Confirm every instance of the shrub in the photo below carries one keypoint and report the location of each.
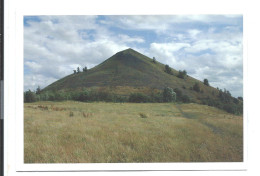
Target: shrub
(143, 115)
(138, 98)
(185, 99)
(196, 87)
(206, 82)
(29, 96)
(182, 74)
(168, 70)
(240, 98)
(154, 60)
(85, 69)
(178, 94)
(169, 95)
(156, 97)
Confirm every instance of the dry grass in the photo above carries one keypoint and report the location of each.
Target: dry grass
(114, 132)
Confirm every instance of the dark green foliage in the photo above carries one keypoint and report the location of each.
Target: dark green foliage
(196, 87)
(182, 74)
(181, 97)
(29, 96)
(233, 109)
(240, 98)
(235, 100)
(206, 82)
(154, 60)
(74, 71)
(85, 69)
(178, 94)
(156, 97)
(225, 96)
(78, 70)
(138, 98)
(168, 70)
(185, 99)
(226, 102)
(169, 95)
(38, 90)
(183, 87)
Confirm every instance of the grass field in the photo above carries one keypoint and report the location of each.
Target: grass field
(76, 132)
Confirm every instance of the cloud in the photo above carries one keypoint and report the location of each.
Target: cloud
(207, 46)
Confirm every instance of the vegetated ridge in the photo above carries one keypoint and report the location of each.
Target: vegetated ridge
(129, 71)
(132, 69)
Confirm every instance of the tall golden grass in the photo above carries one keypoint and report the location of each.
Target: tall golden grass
(76, 132)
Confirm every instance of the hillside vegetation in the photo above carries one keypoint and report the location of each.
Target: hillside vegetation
(129, 68)
(77, 132)
(129, 74)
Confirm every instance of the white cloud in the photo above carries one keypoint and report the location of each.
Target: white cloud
(193, 33)
(55, 45)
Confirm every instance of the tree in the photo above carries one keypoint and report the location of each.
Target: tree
(240, 98)
(196, 87)
(38, 90)
(85, 69)
(178, 94)
(74, 71)
(182, 74)
(154, 60)
(29, 96)
(185, 99)
(169, 95)
(78, 70)
(168, 69)
(206, 82)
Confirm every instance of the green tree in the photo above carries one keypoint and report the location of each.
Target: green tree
(206, 82)
(182, 74)
(29, 96)
(78, 70)
(85, 69)
(169, 95)
(38, 90)
(74, 71)
(154, 60)
(168, 69)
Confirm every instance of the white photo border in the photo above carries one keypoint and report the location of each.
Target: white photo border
(15, 79)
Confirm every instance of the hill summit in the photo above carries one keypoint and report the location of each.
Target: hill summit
(129, 68)
(129, 76)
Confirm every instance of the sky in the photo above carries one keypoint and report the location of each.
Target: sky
(206, 46)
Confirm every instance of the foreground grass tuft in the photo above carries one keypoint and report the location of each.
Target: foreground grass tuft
(143, 115)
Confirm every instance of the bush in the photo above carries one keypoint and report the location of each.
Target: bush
(206, 82)
(168, 70)
(154, 60)
(138, 98)
(143, 115)
(169, 95)
(156, 97)
(178, 94)
(182, 74)
(185, 99)
(29, 96)
(196, 87)
(240, 98)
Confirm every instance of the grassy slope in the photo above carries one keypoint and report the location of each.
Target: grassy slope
(113, 132)
(132, 69)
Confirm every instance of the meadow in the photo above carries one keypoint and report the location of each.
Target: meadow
(99, 132)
